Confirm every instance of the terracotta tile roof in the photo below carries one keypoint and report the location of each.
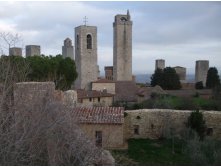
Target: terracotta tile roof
(84, 94)
(99, 115)
(103, 81)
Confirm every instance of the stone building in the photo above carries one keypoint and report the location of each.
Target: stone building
(86, 56)
(181, 71)
(103, 125)
(201, 69)
(90, 98)
(68, 49)
(33, 50)
(122, 58)
(104, 85)
(108, 72)
(15, 51)
(160, 63)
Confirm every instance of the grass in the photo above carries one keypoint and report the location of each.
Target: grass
(178, 103)
(145, 152)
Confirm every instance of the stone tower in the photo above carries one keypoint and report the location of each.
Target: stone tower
(201, 69)
(122, 58)
(160, 63)
(33, 50)
(68, 49)
(86, 56)
(15, 51)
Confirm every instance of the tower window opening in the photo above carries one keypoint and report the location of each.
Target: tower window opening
(89, 41)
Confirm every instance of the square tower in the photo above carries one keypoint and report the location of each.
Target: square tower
(160, 63)
(201, 69)
(68, 49)
(122, 59)
(15, 51)
(33, 50)
(86, 56)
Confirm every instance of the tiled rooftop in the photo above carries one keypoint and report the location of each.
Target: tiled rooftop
(99, 115)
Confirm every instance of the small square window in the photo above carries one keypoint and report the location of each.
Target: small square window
(209, 131)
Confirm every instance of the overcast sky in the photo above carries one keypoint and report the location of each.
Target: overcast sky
(179, 32)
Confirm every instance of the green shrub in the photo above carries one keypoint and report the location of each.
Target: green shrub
(199, 85)
(197, 123)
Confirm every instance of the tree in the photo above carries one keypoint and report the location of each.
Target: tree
(156, 78)
(35, 129)
(199, 85)
(8, 40)
(167, 79)
(170, 79)
(57, 69)
(197, 123)
(212, 79)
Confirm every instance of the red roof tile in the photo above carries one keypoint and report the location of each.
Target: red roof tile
(99, 115)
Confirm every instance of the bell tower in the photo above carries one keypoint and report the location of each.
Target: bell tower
(122, 49)
(86, 56)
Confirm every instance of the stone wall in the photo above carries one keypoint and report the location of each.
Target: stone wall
(155, 123)
(110, 87)
(104, 102)
(26, 93)
(112, 134)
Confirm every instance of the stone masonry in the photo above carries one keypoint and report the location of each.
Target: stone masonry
(86, 56)
(155, 123)
(201, 69)
(160, 63)
(15, 51)
(33, 50)
(68, 49)
(122, 59)
(181, 71)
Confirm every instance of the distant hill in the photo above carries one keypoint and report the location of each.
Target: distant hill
(145, 78)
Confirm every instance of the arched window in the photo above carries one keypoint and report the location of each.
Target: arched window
(77, 41)
(89, 41)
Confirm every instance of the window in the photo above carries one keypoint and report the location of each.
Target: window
(98, 138)
(89, 41)
(209, 131)
(99, 99)
(90, 99)
(136, 129)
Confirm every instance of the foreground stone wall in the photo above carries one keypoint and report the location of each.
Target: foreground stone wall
(155, 123)
(112, 134)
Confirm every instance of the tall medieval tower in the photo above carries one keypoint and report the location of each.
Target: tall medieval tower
(122, 58)
(86, 56)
